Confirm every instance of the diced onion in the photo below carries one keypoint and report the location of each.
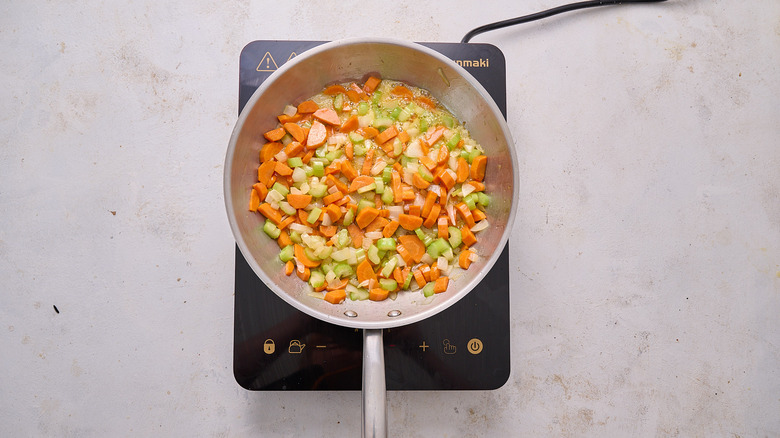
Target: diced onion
(451, 214)
(473, 257)
(326, 220)
(281, 156)
(395, 211)
(435, 189)
(481, 225)
(414, 150)
(401, 263)
(374, 235)
(299, 175)
(378, 167)
(289, 110)
(273, 197)
(300, 228)
(466, 189)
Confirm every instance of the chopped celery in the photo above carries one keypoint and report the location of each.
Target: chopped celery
(356, 293)
(317, 279)
(295, 237)
(453, 141)
(342, 238)
(387, 174)
(408, 281)
(367, 188)
(438, 247)
(473, 154)
(447, 120)
(425, 173)
(318, 190)
(360, 255)
(363, 203)
(338, 102)
(427, 290)
(363, 108)
(382, 122)
(406, 113)
(349, 216)
(287, 139)
(280, 188)
(295, 162)
(395, 113)
(318, 169)
(287, 253)
(373, 254)
(471, 201)
(321, 151)
(287, 208)
(423, 124)
(483, 199)
(314, 214)
(354, 137)
(271, 230)
(380, 185)
(324, 252)
(333, 155)
(388, 284)
(387, 269)
(343, 270)
(358, 150)
(455, 238)
(426, 239)
(386, 244)
(387, 196)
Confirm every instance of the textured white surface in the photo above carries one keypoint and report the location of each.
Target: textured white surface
(645, 260)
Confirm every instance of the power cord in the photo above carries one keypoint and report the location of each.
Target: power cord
(547, 13)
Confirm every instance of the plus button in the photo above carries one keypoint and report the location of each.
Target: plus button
(423, 346)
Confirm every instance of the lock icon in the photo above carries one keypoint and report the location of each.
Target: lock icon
(269, 347)
(295, 347)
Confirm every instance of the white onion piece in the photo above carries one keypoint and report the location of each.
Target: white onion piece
(395, 211)
(481, 225)
(300, 228)
(289, 110)
(374, 235)
(466, 189)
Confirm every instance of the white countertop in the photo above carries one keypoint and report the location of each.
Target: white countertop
(645, 261)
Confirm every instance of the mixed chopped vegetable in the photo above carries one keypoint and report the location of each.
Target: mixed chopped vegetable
(370, 190)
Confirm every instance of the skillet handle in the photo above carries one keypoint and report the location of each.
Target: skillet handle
(374, 389)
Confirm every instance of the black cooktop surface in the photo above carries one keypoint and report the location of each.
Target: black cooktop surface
(277, 347)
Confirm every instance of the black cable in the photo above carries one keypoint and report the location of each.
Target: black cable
(547, 13)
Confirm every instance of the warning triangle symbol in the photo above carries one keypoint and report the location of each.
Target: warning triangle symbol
(267, 63)
(292, 55)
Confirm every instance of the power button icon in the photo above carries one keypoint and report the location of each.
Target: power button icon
(474, 346)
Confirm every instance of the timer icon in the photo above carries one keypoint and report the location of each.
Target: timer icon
(474, 346)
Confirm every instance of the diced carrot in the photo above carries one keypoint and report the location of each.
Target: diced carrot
(478, 167)
(305, 275)
(289, 267)
(307, 107)
(350, 125)
(409, 222)
(386, 135)
(398, 276)
(464, 260)
(395, 183)
(303, 215)
(465, 213)
(415, 210)
(463, 170)
(254, 200)
(433, 135)
(442, 229)
(419, 278)
(428, 162)
(405, 254)
(390, 228)
(369, 132)
(337, 284)
(426, 272)
(365, 216)
(443, 155)
(295, 130)
(262, 190)
(404, 136)
(349, 150)
(469, 239)
(360, 182)
(367, 162)
(317, 135)
(298, 201)
(265, 171)
(286, 222)
(430, 220)
(441, 285)
(478, 214)
(282, 169)
(430, 200)
(321, 287)
(371, 83)
(426, 101)
(419, 182)
(478, 186)
(353, 95)
(447, 178)
(327, 115)
(336, 296)
(348, 171)
(365, 271)
(269, 212)
(284, 118)
(284, 239)
(401, 91)
(377, 224)
(378, 294)
(414, 245)
(300, 255)
(333, 211)
(333, 90)
(329, 230)
(356, 234)
(333, 197)
(293, 149)
(269, 150)
(307, 156)
(434, 272)
(275, 134)
(407, 194)
(333, 181)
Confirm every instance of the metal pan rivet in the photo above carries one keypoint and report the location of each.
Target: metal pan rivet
(350, 313)
(394, 313)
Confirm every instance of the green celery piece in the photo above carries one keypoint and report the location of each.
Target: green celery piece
(387, 196)
(314, 214)
(483, 199)
(455, 238)
(349, 216)
(388, 284)
(354, 137)
(317, 279)
(280, 188)
(287, 253)
(386, 244)
(427, 290)
(343, 270)
(338, 102)
(318, 169)
(363, 108)
(318, 190)
(271, 230)
(438, 247)
(453, 141)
